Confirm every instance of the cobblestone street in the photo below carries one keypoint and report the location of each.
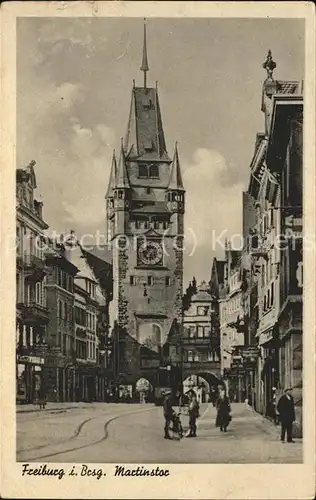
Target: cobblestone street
(121, 433)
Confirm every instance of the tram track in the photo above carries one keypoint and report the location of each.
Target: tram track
(73, 436)
(77, 434)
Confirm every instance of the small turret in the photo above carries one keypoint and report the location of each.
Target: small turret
(122, 181)
(122, 193)
(112, 180)
(175, 192)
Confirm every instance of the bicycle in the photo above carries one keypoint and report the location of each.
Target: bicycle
(177, 425)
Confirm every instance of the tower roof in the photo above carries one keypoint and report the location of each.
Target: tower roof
(112, 179)
(121, 176)
(175, 176)
(144, 137)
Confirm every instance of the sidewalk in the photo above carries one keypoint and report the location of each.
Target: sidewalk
(245, 422)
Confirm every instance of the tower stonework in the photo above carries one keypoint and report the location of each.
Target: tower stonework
(145, 211)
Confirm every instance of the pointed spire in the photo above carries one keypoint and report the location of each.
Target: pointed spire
(144, 67)
(122, 177)
(112, 179)
(175, 176)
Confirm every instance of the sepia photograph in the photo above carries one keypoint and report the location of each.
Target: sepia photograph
(160, 208)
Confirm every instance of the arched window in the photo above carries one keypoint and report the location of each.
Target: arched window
(153, 171)
(142, 171)
(157, 334)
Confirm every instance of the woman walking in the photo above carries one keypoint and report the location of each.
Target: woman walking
(223, 411)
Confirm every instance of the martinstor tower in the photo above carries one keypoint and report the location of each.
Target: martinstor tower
(145, 211)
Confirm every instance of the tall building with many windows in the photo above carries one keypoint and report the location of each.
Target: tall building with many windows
(201, 348)
(145, 209)
(274, 247)
(31, 306)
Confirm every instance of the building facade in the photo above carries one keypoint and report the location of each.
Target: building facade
(272, 256)
(231, 319)
(201, 345)
(86, 308)
(145, 209)
(32, 315)
(60, 385)
(285, 160)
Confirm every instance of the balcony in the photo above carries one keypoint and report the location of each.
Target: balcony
(32, 351)
(34, 312)
(34, 267)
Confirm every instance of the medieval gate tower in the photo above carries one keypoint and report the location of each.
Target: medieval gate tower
(145, 211)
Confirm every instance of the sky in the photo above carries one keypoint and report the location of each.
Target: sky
(74, 83)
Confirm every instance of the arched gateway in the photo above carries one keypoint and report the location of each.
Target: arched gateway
(205, 384)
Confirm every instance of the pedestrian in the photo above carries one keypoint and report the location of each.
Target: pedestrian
(194, 413)
(168, 413)
(42, 397)
(213, 397)
(286, 411)
(223, 416)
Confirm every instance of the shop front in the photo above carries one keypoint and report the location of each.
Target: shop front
(86, 383)
(250, 356)
(30, 378)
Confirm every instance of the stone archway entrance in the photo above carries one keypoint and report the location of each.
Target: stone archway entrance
(205, 384)
(149, 335)
(144, 390)
(199, 385)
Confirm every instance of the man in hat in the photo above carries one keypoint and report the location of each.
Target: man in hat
(167, 412)
(286, 411)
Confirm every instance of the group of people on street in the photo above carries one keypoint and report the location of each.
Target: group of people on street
(194, 413)
(285, 408)
(222, 404)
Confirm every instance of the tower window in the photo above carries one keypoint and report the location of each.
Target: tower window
(143, 171)
(148, 171)
(150, 280)
(148, 145)
(153, 171)
(132, 280)
(167, 281)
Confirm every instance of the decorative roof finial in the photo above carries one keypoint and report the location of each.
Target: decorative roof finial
(144, 67)
(269, 65)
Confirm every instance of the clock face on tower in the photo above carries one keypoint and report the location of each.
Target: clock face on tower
(150, 253)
